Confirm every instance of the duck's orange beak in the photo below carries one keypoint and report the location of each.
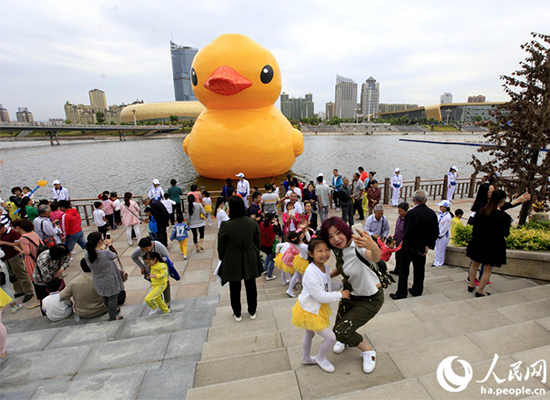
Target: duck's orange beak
(226, 81)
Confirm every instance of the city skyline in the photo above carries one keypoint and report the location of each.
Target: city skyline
(126, 54)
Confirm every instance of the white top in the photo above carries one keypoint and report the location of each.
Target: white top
(302, 248)
(55, 308)
(116, 204)
(362, 279)
(452, 177)
(270, 201)
(317, 289)
(397, 180)
(61, 194)
(444, 220)
(168, 204)
(282, 247)
(207, 201)
(221, 216)
(243, 187)
(98, 217)
(156, 193)
(322, 191)
(297, 191)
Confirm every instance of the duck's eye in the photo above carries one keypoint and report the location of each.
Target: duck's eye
(267, 74)
(194, 77)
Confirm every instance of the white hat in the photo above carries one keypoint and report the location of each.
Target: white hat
(156, 182)
(240, 175)
(397, 170)
(455, 168)
(320, 174)
(445, 203)
(57, 182)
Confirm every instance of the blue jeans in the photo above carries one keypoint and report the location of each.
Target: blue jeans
(75, 238)
(269, 264)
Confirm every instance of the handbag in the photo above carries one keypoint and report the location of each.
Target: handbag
(380, 269)
(171, 269)
(48, 241)
(123, 273)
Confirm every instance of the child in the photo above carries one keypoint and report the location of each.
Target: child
(116, 204)
(388, 248)
(291, 219)
(159, 280)
(109, 210)
(99, 219)
(455, 223)
(169, 205)
(152, 228)
(56, 213)
(207, 203)
(286, 270)
(311, 312)
(27, 192)
(299, 259)
(444, 219)
(180, 234)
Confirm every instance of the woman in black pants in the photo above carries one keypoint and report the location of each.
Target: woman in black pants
(196, 219)
(239, 252)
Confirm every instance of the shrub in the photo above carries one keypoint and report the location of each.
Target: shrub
(532, 236)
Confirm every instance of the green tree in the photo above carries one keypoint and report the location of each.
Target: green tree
(478, 118)
(173, 118)
(100, 117)
(112, 123)
(67, 121)
(522, 127)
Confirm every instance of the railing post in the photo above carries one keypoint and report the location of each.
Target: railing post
(86, 215)
(387, 191)
(445, 188)
(472, 188)
(416, 183)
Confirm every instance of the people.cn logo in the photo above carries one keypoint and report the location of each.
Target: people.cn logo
(449, 380)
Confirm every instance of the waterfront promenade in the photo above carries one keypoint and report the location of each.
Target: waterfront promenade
(200, 350)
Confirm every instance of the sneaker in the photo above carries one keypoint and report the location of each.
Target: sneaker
(325, 365)
(185, 257)
(154, 311)
(290, 294)
(270, 278)
(309, 361)
(253, 316)
(167, 312)
(16, 308)
(339, 347)
(369, 361)
(27, 297)
(238, 319)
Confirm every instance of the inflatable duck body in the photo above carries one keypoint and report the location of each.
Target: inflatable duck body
(240, 130)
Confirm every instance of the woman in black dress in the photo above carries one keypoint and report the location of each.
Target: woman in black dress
(488, 244)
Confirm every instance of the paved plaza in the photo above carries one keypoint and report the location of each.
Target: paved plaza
(200, 352)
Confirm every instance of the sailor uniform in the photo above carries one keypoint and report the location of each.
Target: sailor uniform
(451, 185)
(444, 220)
(397, 183)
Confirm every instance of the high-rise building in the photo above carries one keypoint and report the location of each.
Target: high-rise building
(297, 108)
(182, 58)
(345, 97)
(330, 110)
(384, 108)
(476, 99)
(24, 115)
(370, 97)
(4, 115)
(446, 98)
(98, 100)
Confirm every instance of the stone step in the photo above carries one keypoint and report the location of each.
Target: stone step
(279, 386)
(526, 311)
(240, 367)
(241, 346)
(238, 330)
(408, 389)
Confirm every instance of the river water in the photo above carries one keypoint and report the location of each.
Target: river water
(87, 168)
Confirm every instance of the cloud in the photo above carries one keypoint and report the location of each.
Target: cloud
(54, 51)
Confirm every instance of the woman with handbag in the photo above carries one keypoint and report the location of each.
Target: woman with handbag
(130, 217)
(269, 230)
(196, 216)
(354, 254)
(106, 276)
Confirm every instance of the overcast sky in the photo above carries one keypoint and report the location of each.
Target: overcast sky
(54, 51)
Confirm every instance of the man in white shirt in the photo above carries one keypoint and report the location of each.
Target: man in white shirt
(43, 225)
(270, 199)
(323, 197)
(156, 191)
(293, 198)
(52, 306)
(243, 188)
(377, 224)
(59, 192)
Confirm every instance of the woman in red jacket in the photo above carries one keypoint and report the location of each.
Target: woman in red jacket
(269, 229)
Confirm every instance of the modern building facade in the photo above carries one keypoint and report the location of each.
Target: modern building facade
(182, 58)
(86, 114)
(446, 98)
(24, 115)
(330, 110)
(4, 115)
(345, 97)
(370, 97)
(451, 112)
(297, 108)
(385, 107)
(98, 100)
(476, 99)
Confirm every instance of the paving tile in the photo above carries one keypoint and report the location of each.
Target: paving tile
(86, 334)
(473, 322)
(136, 296)
(196, 276)
(410, 389)
(414, 334)
(192, 290)
(122, 353)
(535, 293)
(239, 330)
(199, 264)
(186, 343)
(280, 386)
(263, 314)
(544, 322)
(241, 367)
(411, 303)
(434, 313)
(27, 342)
(495, 301)
(447, 287)
(26, 391)
(22, 368)
(154, 325)
(137, 283)
(241, 346)
(526, 311)
(516, 284)
(461, 294)
(395, 320)
(171, 381)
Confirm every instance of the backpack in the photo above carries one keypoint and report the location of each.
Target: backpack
(290, 253)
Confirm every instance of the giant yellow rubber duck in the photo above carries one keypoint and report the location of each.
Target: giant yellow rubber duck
(240, 130)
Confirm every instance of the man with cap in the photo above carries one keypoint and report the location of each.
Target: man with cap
(444, 220)
(161, 216)
(451, 182)
(397, 183)
(243, 188)
(59, 192)
(156, 191)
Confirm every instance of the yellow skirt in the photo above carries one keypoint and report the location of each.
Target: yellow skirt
(306, 320)
(282, 266)
(208, 209)
(300, 264)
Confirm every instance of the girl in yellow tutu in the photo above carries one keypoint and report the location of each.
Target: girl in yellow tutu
(311, 312)
(285, 257)
(297, 255)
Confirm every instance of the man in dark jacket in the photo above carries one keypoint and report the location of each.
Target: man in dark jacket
(161, 216)
(421, 231)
